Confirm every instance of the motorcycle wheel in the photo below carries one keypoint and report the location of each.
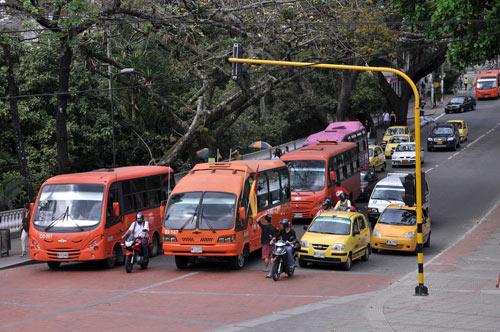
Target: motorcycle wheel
(144, 264)
(276, 273)
(291, 272)
(128, 263)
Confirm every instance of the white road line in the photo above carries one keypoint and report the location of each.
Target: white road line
(430, 169)
(477, 139)
(438, 117)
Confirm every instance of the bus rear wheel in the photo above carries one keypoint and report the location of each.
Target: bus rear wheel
(54, 265)
(110, 262)
(181, 262)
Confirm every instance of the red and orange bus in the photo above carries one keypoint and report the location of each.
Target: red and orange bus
(486, 84)
(313, 171)
(82, 216)
(208, 213)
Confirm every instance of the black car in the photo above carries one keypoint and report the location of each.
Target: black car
(460, 104)
(443, 136)
(368, 181)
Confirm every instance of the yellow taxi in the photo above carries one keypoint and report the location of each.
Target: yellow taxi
(394, 141)
(377, 157)
(335, 237)
(463, 129)
(394, 130)
(396, 229)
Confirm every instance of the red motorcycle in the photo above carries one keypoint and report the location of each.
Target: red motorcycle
(133, 254)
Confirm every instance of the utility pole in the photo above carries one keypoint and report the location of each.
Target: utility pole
(442, 84)
(432, 90)
(110, 93)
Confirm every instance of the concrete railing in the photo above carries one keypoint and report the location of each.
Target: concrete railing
(11, 219)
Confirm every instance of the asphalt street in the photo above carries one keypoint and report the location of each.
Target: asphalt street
(464, 186)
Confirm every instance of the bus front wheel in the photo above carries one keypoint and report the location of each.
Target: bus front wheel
(54, 265)
(181, 262)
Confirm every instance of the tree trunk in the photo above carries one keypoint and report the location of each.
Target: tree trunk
(348, 81)
(65, 58)
(12, 92)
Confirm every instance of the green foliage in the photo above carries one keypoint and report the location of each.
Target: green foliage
(367, 97)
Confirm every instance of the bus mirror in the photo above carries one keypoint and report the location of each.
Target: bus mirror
(116, 209)
(332, 175)
(242, 213)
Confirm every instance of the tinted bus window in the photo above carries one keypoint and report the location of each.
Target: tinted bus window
(274, 186)
(285, 185)
(262, 192)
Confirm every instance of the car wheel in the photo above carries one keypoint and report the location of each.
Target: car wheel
(366, 256)
(375, 251)
(447, 112)
(429, 148)
(302, 263)
(454, 148)
(427, 243)
(348, 264)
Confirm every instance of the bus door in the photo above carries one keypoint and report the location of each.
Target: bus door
(331, 179)
(115, 226)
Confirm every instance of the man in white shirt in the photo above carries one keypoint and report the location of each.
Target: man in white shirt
(387, 119)
(139, 229)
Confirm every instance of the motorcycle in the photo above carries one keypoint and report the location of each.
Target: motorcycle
(280, 260)
(133, 254)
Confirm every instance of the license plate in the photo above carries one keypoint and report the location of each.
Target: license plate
(392, 243)
(62, 255)
(319, 255)
(298, 215)
(439, 143)
(196, 250)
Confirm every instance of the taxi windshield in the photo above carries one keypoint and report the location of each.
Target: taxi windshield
(398, 217)
(331, 225)
(405, 148)
(457, 124)
(394, 131)
(399, 139)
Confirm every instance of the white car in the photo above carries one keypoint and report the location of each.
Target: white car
(405, 155)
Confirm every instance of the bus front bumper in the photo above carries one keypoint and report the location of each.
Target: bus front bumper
(217, 250)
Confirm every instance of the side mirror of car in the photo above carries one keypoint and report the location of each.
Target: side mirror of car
(242, 213)
(116, 209)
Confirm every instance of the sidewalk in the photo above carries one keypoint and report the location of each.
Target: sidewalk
(461, 281)
(14, 259)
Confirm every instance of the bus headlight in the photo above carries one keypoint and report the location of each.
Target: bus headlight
(169, 238)
(227, 239)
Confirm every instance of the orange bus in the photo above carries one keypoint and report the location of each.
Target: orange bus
(208, 213)
(82, 216)
(314, 170)
(486, 84)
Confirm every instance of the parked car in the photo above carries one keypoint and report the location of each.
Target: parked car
(460, 104)
(443, 136)
(377, 157)
(406, 155)
(368, 181)
(463, 129)
(394, 130)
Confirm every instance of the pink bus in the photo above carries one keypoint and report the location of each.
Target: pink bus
(345, 131)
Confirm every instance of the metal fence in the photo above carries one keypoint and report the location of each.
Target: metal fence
(11, 219)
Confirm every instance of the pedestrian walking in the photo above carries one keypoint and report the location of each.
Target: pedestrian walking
(393, 118)
(367, 128)
(25, 227)
(387, 119)
(267, 233)
(466, 81)
(276, 153)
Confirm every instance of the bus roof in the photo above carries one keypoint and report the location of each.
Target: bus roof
(319, 151)
(335, 131)
(224, 176)
(106, 175)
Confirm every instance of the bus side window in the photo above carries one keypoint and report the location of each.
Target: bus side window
(331, 167)
(274, 186)
(167, 180)
(243, 224)
(285, 185)
(113, 196)
(128, 197)
(262, 192)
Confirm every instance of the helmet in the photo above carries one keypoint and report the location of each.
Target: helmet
(327, 203)
(285, 222)
(139, 217)
(268, 217)
(342, 197)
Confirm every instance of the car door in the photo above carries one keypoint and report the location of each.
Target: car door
(356, 239)
(466, 129)
(364, 231)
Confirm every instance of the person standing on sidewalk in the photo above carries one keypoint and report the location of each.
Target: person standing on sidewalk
(393, 118)
(267, 233)
(387, 119)
(25, 228)
(466, 81)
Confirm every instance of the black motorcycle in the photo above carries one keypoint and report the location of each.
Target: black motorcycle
(280, 261)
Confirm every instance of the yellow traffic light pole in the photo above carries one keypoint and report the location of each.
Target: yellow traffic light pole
(420, 289)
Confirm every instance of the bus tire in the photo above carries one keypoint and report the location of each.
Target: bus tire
(155, 246)
(237, 262)
(110, 262)
(181, 262)
(54, 265)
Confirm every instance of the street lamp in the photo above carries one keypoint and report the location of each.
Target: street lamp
(110, 93)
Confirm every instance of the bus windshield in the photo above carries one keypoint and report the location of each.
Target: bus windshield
(209, 210)
(69, 207)
(307, 175)
(486, 83)
(331, 225)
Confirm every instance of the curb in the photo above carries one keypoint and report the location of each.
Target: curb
(14, 265)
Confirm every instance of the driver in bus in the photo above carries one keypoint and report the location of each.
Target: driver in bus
(139, 229)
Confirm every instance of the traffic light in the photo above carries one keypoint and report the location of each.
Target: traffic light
(237, 68)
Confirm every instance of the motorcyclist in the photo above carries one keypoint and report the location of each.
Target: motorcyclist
(343, 204)
(139, 229)
(338, 189)
(287, 234)
(326, 205)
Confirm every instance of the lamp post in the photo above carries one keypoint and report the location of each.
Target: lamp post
(110, 94)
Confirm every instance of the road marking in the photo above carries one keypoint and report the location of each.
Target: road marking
(439, 117)
(475, 141)
(430, 169)
(453, 155)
